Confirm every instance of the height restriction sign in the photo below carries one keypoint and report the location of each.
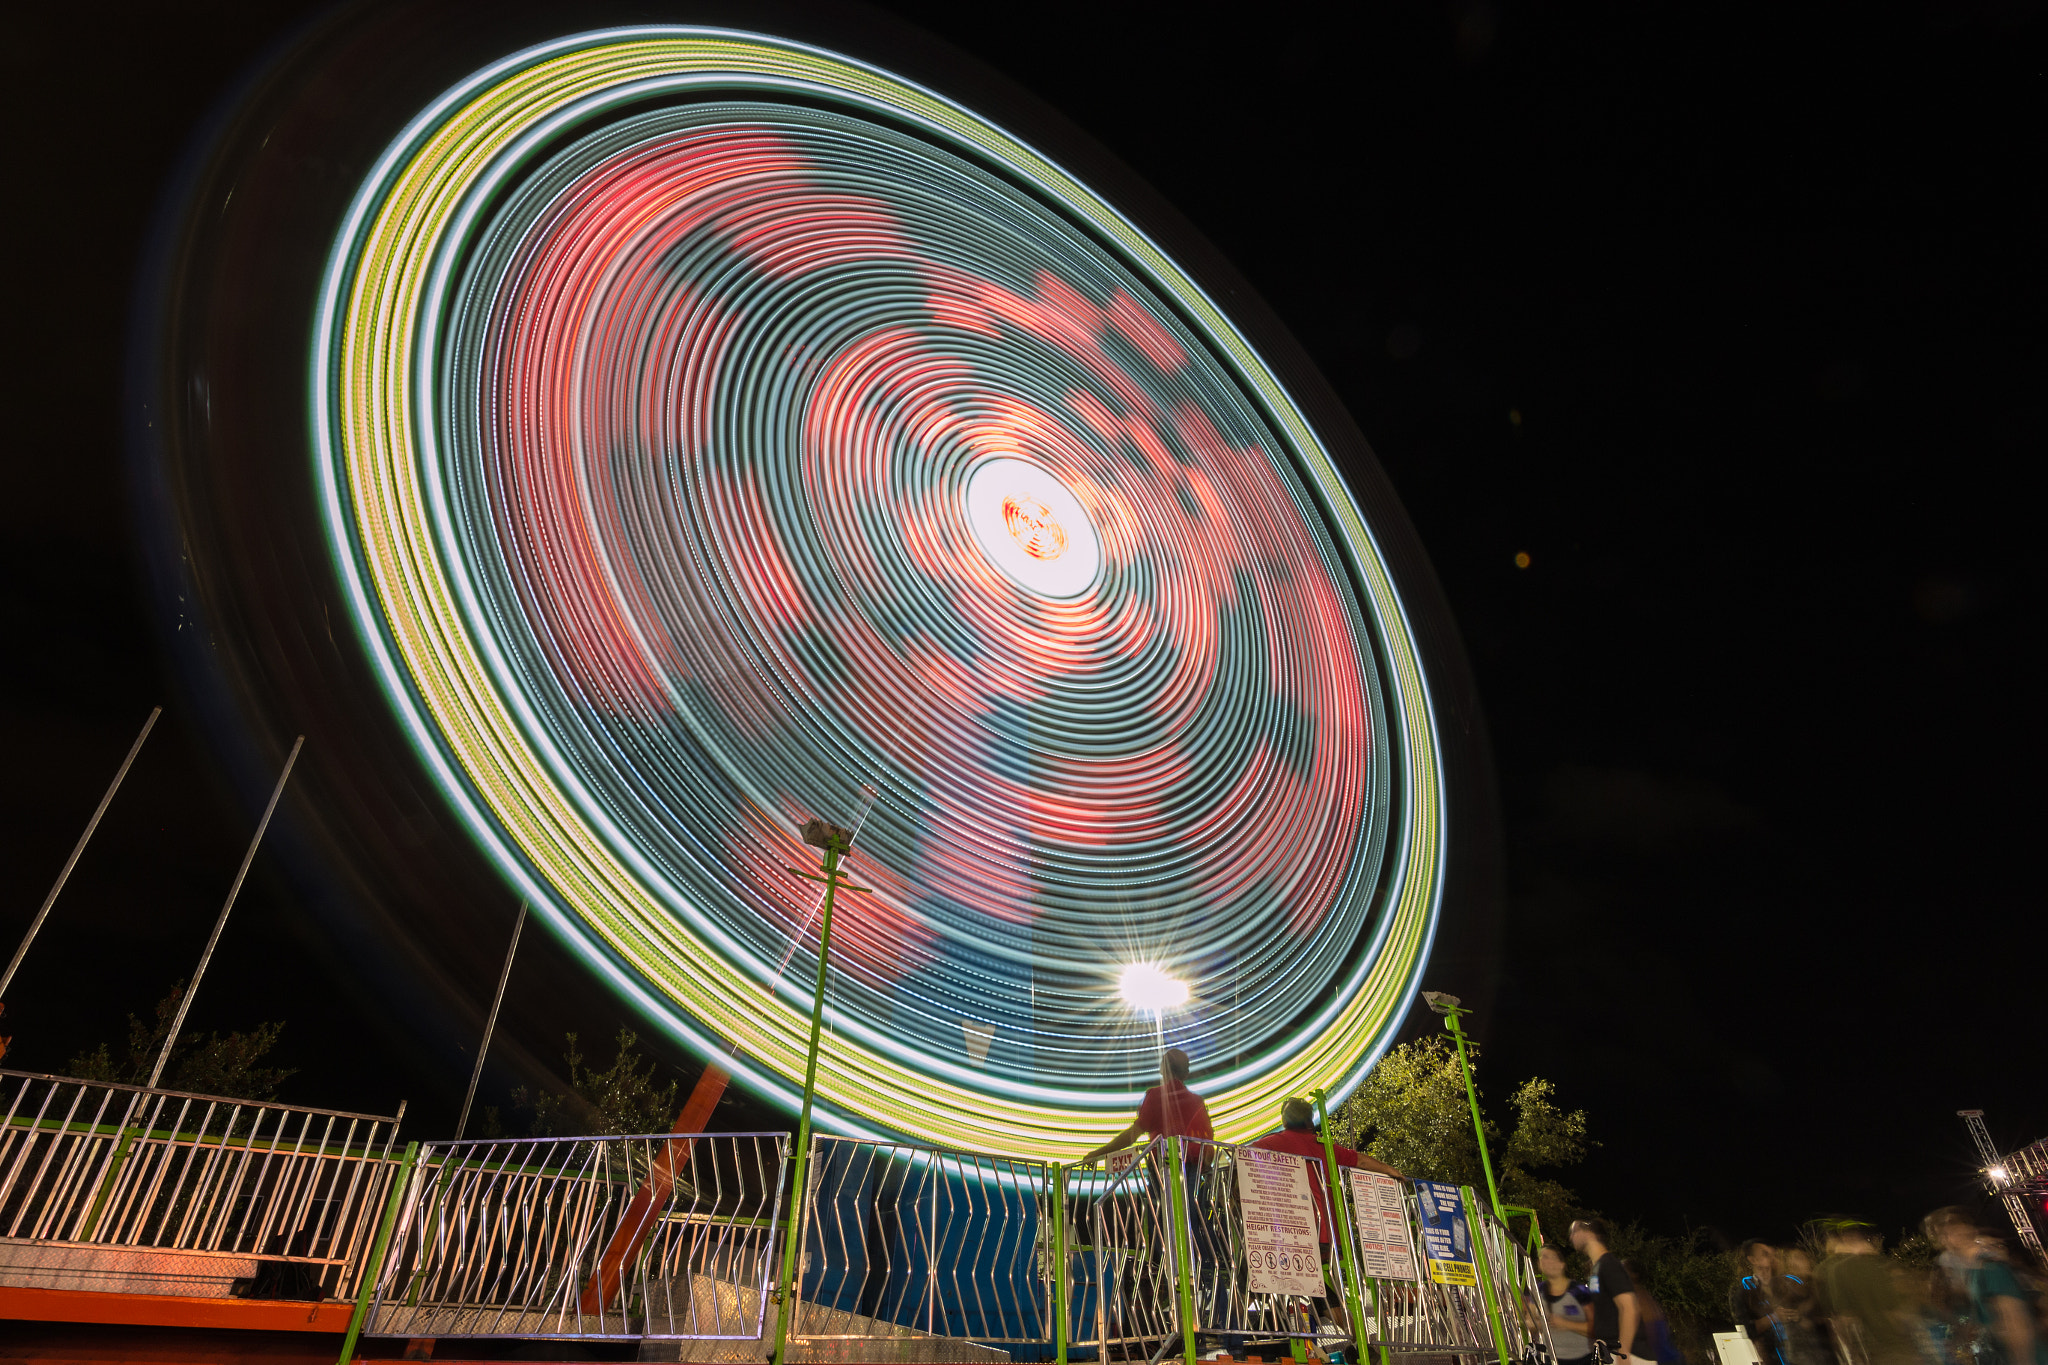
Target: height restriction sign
(1279, 1224)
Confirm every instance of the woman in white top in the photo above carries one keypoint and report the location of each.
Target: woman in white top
(1571, 1327)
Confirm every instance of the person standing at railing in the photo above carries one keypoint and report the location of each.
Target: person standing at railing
(1169, 1109)
(1298, 1137)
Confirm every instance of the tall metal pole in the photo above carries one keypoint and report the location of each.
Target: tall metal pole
(1448, 1007)
(7, 978)
(221, 922)
(490, 1024)
(834, 841)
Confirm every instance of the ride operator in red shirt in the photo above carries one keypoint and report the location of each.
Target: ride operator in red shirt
(1297, 1136)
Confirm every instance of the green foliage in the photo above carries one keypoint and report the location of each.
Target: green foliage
(1688, 1276)
(623, 1098)
(1915, 1251)
(209, 1065)
(1412, 1113)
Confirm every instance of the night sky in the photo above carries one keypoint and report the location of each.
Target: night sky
(1731, 326)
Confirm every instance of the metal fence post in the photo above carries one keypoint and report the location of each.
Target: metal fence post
(1341, 1225)
(1059, 1262)
(1484, 1275)
(376, 1265)
(1178, 1229)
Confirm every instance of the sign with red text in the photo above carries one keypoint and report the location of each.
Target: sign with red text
(1279, 1224)
(1386, 1245)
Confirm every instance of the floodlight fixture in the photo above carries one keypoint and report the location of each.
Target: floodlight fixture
(1145, 986)
(824, 834)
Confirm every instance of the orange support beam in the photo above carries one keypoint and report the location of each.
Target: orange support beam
(641, 1215)
(169, 1310)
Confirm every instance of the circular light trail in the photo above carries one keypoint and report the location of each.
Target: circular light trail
(713, 428)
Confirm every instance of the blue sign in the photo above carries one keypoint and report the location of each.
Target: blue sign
(1446, 1235)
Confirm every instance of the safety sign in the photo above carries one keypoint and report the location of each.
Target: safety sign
(1385, 1245)
(1279, 1224)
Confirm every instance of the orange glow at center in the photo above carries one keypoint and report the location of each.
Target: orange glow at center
(1032, 525)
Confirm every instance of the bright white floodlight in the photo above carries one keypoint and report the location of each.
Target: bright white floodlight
(1996, 1172)
(1146, 987)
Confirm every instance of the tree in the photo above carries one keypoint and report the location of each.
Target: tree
(212, 1065)
(1413, 1114)
(623, 1098)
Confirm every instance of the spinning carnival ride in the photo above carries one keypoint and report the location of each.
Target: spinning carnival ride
(710, 430)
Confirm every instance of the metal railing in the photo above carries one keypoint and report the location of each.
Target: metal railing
(1423, 1315)
(605, 1237)
(1524, 1321)
(93, 1175)
(678, 1237)
(902, 1240)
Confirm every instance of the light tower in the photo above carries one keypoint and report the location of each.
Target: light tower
(2001, 1179)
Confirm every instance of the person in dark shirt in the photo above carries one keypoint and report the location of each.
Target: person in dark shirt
(1653, 1329)
(1774, 1306)
(1298, 1137)
(1169, 1109)
(1753, 1302)
(1617, 1318)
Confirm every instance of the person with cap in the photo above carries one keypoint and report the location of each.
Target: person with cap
(1298, 1137)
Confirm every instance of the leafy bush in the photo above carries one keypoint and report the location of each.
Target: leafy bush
(211, 1065)
(623, 1098)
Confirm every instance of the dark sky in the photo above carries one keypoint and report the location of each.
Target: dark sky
(1730, 324)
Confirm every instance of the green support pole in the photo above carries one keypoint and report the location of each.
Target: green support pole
(1340, 1227)
(376, 1265)
(787, 1297)
(114, 1164)
(1059, 1262)
(1177, 1221)
(1535, 1240)
(1483, 1270)
(1451, 1015)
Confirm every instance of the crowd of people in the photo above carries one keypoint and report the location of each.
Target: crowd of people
(1855, 1307)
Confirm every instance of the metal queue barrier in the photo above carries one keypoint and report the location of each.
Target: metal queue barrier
(1170, 1250)
(616, 1238)
(906, 1242)
(130, 1189)
(922, 1253)
(1420, 1313)
(1174, 1260)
